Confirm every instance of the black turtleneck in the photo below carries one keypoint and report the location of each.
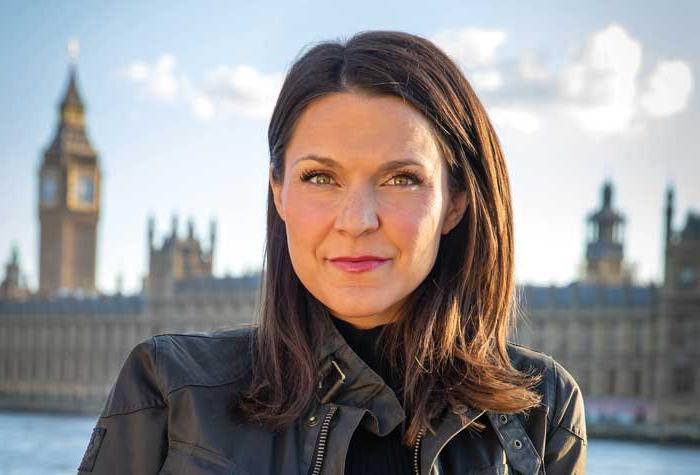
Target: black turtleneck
(368, 453)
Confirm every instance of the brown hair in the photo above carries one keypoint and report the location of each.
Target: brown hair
(457, 320)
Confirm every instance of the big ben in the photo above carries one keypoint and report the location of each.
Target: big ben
(69, 201)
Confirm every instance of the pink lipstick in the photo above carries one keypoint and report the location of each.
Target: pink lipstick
(358, 264)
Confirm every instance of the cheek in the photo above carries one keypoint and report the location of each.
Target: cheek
(307, 221)
(414, 225)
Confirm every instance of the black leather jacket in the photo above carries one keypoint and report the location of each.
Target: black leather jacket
(166, 414)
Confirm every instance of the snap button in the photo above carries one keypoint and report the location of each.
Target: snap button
(517, 444)
(503, 418)
(312, 421)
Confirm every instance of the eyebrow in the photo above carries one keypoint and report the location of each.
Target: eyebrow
(390, 165)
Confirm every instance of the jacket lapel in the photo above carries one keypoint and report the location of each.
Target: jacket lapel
(349, 383)
(447, 427)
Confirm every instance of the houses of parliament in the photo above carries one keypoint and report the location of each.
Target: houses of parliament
(634, 349)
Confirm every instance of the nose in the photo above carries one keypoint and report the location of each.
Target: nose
(357, 212)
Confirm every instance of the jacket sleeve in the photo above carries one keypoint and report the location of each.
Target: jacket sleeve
(131, 433)
(565, 449)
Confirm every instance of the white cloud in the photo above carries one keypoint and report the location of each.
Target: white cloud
(137, 71)
(514, 118)
(530, 70)
(243, 89)
(156, 80)
(487, 80)
(599, 89)
(226, 89)
(163, 82)
(471, 47)
(202, 107)
(669, 88)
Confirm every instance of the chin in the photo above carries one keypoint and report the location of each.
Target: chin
(353, 313)
(357, 305)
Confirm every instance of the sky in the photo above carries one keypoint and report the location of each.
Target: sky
(178, 97)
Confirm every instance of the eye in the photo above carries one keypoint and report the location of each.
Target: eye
(410, 176)
(323, 178)
(309, 174)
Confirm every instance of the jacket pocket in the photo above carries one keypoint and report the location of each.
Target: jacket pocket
(187, 459)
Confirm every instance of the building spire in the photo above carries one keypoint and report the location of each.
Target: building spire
(607, 194)
(71, 98)
(669, 214)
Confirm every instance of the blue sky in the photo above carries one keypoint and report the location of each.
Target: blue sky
(579, 91)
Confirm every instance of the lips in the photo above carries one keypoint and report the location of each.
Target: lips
(358, 264)
(358, 258)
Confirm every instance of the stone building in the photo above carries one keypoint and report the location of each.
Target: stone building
(63, 353)
(632, 348)
(176, 259)
(61, 347)
(678, 328)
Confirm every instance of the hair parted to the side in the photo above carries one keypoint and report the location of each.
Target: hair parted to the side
(457, 320)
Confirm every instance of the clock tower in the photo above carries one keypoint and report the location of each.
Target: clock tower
(69, 200)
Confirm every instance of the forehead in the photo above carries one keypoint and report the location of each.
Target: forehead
(351, 126)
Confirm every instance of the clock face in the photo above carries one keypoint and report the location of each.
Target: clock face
(86, 189)
(49, 188)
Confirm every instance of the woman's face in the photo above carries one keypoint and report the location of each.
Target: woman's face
(344, 194)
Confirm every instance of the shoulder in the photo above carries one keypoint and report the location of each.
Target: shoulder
(204, 359)
(163, 363)
(561, 396)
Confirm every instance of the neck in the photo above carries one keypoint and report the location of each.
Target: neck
(362, 323)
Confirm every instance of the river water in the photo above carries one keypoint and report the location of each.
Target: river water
(51, 444)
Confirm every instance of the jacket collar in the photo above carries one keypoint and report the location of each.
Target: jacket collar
(353, 383)
(347, 380)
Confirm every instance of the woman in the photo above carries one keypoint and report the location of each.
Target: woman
(386, 301)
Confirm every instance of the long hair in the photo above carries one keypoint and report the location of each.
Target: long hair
(450, 340)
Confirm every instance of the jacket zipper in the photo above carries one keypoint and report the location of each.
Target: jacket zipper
(416, 451)
(322, 437)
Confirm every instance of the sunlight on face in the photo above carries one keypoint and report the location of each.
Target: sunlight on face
(345, 194)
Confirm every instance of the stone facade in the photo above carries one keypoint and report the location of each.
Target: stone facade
(678, 328)
(63, 353)
(604, 336)
(632, 348)
(176, 260)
